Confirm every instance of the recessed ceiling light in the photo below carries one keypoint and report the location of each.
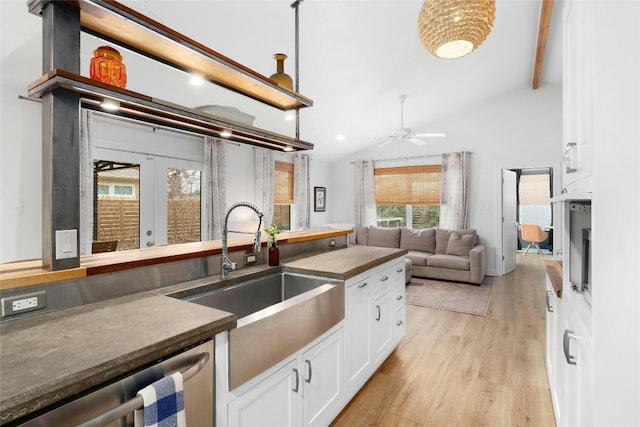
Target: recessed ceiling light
(225, 133)
(196, 80)
(340, 137)
(110, 105)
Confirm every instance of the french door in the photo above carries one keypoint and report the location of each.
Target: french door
(144, 200)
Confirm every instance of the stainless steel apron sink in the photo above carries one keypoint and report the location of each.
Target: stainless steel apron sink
(277, 315)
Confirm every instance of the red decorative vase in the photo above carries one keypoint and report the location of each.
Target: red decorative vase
(274, 255)
(107, 67)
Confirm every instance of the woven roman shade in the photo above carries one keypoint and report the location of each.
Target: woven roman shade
(534, 190)
(283, 183)
(408, 185)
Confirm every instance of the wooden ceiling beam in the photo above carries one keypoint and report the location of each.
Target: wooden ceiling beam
(543, 34)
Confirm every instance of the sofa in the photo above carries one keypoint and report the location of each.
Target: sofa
(433, 253)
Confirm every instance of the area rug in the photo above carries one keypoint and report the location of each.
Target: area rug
(450, 296)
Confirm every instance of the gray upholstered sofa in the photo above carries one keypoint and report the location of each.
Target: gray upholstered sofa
(433, 253)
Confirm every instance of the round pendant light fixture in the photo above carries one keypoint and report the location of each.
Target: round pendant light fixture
(454, 28)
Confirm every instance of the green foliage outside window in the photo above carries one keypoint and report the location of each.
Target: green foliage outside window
(422, 216)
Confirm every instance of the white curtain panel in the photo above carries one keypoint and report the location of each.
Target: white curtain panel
(365, 193)
(86, 181)
(264, 167)
(454, 197)
(300, 192)
(215, 180)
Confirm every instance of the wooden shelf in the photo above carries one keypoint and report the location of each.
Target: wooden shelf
(121, 25)
(149, 109)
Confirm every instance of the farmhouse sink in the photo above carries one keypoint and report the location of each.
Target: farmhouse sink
(277, 315)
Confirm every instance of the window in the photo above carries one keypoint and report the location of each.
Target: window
(408, 196)
(282, 195)
(123, 190)
(103, 190)
(534, 196)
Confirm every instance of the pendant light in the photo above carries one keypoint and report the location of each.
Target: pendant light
(454, 28)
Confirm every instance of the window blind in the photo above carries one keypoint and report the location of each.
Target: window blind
(408, 185)
(283, 185)
(534, 190)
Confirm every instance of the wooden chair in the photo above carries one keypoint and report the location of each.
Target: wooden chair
(533, 234)
(108, 246)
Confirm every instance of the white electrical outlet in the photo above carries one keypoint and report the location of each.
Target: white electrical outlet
(23, 304)
(18, 304)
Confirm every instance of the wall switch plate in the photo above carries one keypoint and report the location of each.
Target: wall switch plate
(18, 304)
(332, 243)
(66, 244)
(250, 258)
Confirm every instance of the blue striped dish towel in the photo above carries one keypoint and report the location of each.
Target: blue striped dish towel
(164, 402)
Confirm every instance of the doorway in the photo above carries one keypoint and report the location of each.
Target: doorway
(526, 194)
(144, 200)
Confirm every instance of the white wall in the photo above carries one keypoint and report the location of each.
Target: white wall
(515, 130)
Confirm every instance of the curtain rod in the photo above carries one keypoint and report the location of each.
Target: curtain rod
(405, 158)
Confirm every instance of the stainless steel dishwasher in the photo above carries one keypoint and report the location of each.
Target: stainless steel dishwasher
(114, 404)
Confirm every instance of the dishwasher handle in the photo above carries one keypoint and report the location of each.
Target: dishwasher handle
(137, 402)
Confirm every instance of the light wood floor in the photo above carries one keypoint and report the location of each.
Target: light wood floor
(455, 369)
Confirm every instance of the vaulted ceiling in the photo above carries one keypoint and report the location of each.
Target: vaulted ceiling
(356, 59)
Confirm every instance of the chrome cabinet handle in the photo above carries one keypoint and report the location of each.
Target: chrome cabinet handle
(297, 380)
(379, 313)
(384, 279)
(548, 298)
(399, 297)
(362, 285)
(308, 362)
(399, 322)
(566, 339)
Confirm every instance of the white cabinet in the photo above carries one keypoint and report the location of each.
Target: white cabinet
(358, 332)
(577, 370)
(578, 96)
(322, 387)
(271, 403)
(374, 320)
(304, 390)
(554, 357)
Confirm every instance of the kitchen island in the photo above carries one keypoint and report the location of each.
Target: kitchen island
(54, 356)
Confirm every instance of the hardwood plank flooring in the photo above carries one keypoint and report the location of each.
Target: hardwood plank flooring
(454, 369)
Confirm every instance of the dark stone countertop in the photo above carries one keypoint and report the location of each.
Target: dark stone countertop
(47, 358)
(344, 263)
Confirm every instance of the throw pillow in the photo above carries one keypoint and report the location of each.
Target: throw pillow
(442, 240)
(418, 240)
(362, 236)
(460, 244)
(385, 237)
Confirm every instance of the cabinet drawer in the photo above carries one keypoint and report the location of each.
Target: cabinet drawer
(383, 281)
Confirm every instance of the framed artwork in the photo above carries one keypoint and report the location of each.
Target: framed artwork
(320, 199)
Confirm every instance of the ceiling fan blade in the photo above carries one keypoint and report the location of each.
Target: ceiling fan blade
(417, 141)
(431, 135)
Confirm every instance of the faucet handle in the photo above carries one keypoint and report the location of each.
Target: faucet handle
(233, 266)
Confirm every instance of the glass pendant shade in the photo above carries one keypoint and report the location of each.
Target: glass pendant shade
(454, 28)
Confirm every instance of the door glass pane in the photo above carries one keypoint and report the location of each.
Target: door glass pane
(183, 205)
(117, 205)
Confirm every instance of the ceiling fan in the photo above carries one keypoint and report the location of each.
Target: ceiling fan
(405, 134)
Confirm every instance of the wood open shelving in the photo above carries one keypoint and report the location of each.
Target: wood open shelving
(121, 25)
(154, 110)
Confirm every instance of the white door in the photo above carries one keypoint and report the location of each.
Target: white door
(509, 223)
(155, 202)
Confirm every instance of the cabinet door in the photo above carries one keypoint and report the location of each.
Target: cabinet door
(578, 385)
(358, 333)
(383, 325)
(554, 356)
(578, 95)
(322, 372)
(273, 402)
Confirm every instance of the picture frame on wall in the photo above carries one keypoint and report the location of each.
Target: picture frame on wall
(320, 199)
